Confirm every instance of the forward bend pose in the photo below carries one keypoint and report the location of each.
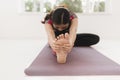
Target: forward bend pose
(61, 26)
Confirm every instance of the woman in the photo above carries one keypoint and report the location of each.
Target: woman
(61, 26)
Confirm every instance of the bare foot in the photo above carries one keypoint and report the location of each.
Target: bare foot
(63, 39)
(61, 54)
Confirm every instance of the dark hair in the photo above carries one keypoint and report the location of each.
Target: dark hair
(58, 16)
(61, 16)
(47, 17)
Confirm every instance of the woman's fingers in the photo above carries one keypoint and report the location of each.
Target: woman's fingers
(67, 49)
(55, 48)
(67, 45)
(57, 43)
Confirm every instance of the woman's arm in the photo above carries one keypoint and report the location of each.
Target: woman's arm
(72, 35)
(51, 37)
(73, 30)
(50, 33)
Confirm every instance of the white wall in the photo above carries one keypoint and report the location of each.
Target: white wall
(22, 26)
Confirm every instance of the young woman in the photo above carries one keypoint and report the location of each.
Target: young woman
(61, 26)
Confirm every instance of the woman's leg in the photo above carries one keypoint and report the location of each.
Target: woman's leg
(86, 39)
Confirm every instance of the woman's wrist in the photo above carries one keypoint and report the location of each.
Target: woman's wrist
(51, 42)
(71, 43)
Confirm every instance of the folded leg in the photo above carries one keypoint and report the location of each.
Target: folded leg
(86, 39)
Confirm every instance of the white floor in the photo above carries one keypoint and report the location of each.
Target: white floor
(16, 55)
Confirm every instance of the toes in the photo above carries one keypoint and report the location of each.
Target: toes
(66, 36)
(58, 37)
(62, 36)
(55, 39)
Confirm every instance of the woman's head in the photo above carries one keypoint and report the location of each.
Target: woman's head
(61, 18)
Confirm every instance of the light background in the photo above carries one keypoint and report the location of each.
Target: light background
(21, 25)
(22, 36)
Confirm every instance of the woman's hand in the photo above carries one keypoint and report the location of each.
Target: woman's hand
(55, 45)
(68, 47)
(64, 42)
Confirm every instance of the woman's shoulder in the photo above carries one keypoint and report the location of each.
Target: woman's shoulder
(47, 18)
(72, 15)
(49, 21)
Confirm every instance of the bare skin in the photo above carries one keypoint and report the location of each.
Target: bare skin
(63, 47)
(57, 44)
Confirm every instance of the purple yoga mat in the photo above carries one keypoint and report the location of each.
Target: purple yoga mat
(81, 61)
